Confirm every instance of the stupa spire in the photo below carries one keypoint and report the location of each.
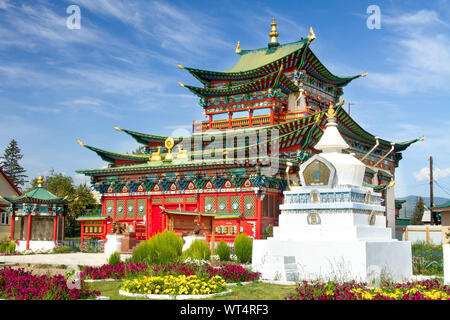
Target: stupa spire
(273, 34)
(331, 140)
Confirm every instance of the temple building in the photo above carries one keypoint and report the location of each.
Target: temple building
(7, 189)
(37, 218)
(263, 118)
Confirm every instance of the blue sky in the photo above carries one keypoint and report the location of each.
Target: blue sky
(120, 69)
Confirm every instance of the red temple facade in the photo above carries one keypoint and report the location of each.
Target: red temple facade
(272, 104)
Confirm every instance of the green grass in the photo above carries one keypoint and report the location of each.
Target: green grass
(256, 291)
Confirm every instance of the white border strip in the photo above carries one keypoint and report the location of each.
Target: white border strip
(173, 297)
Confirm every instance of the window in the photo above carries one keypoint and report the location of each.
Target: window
(4, 220)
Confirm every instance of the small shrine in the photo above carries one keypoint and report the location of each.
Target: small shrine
(332, 226)
(38, 218)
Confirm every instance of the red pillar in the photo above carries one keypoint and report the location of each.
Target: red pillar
(250, 118)
(55, 228)
(28, 231)
(11, 237)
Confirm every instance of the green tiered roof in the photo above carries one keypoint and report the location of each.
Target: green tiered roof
(260, 62)
(112, 157)
(38, 195)
(265, 82)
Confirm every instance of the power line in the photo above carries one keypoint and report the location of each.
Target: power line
(442, 188)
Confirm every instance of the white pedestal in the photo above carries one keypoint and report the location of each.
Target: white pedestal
(446, 251)
(113, 243)
(189, 239)
(36, 245)
(343, 247)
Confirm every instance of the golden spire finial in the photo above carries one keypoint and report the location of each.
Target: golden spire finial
(331, 113)
(273, 32)
(180, 66)
(39, 181)
(364, 74)
(238, 47)
(80, 143)
(117, 128)
(311, 35)
(181, 83)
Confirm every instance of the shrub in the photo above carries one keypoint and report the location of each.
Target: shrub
(12, 247)
(114, 258)
(199, 250)
(163, 248)
(243, 248)
(223, 251)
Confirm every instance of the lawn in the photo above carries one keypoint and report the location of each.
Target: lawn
(256, 291)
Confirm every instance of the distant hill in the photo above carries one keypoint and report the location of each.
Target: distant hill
(412, 203)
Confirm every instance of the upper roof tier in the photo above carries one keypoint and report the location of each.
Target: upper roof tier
(260, 62)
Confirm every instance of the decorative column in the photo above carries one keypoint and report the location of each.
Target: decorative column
(28, 231)
(250, 118)
(11, 236)
(55, 228)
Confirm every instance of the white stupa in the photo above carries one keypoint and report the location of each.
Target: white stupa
(331, 227)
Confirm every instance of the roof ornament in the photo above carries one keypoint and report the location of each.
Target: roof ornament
(273, 34)
(180, 66)
(117, 128)
(39, 181)
(238, 47)
(169, 143)
(80, 143)
(311, 35)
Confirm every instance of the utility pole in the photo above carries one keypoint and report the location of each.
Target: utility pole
(431, 192)
(350, 104)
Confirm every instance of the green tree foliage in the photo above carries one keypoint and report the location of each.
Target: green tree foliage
(10, 164)
(418, 212)
(63, 186)
(163, 248)
(243, 247)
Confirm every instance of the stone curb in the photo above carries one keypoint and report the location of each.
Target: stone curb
(173, 297)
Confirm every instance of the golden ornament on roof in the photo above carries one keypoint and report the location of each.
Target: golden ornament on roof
(80, 143)
(156, 156)
(331, 113)
(238, 47)
(311, 35)
(39, 181)
(169, 143)
(273, 32)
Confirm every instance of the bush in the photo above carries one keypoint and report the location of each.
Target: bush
(243, 248)
(114, 258)
(163, 248)
(7, 246)
(198, 250)
(223, 251)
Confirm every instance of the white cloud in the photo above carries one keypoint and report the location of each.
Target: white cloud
(419, 54)
(424, 174)
(421, 17)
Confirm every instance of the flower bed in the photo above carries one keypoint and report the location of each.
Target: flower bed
(119, 271)
(229, 272)
(17, 284)
(417, 290)
(175, 285)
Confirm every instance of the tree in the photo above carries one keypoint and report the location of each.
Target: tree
(418, 212)
(62, 186)
(10, 164)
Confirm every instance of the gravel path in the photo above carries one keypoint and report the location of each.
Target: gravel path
(67, 259)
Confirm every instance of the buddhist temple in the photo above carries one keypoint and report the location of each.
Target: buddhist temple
(37, 218)
(264, 117)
